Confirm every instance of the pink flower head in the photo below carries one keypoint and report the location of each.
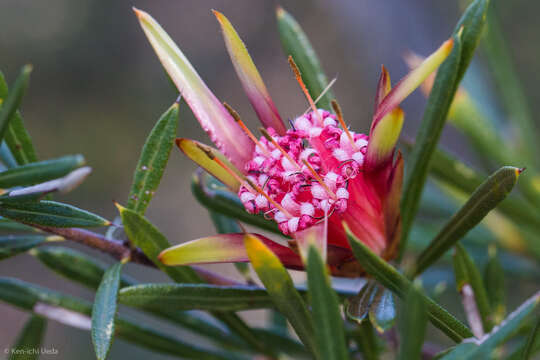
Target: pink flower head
(311, 178)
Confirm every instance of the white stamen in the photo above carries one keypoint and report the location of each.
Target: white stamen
(342, 193)
(307, 209)
(262, 179)
(246, 197)
(358, 157)
(340, 154)
(259, 160)
(360, 143)
(289, 204)
(331, 179)
(302, 123)
(287, 165)
(293, 224)
(315, 131)
(280, 217)
(329, 121)
(306, 154)
(318, 192)
(261, 201)
(326, 205)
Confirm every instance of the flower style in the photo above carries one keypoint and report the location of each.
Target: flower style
(315, 179)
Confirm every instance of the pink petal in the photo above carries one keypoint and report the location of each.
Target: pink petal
(382, 140)
(391, 208)
(225, 248)
(383, 87)
(412, 80)
(249, 76)
(192, 149)
(214, 118)
(315, 235)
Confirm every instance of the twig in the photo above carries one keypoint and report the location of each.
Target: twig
(115, 248)
(120, 250)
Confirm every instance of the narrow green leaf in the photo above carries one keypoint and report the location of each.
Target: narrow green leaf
(12, 245)
(227, 225)
(485, 198)
(87, 271)
(513, 97)
(76, 312)
(399, 285)
(494, 285)
(148, 238)
(3, 86)
(220, 200)
(51, 213)
(413, 324)
(153, 160)
(75, 265)
(467, 116)
(483, 348)
(329, 331)
(473, 22)
(364, 336)
(212, 115)
(11, 227)
(164, 343)
(466, 37)
(13, 99)
(17, 139)
(455, 173)
(278, 340)
(104, 311)
(40, 171)
(29, 340)
(277, 322)
(295, 43)
(224, 224)
(427, 138)
(529, 348)
(7, 158)
(280, 287)
(151, 241)
(195, 296)
(469, 274)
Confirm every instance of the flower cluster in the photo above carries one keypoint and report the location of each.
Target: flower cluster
(315, 179)
(304, 174)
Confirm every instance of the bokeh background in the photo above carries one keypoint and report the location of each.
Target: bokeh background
(97, 89)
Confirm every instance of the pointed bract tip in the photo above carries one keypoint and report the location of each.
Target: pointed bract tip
(119, 207)
(460, 31)
(520, 170)
(178, 99)
(179, 141)
(449, 44)
(160, 257)
(280, 12)
(218, 15)
(137, 12)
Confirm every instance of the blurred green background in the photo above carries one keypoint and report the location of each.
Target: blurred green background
(97, 89)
